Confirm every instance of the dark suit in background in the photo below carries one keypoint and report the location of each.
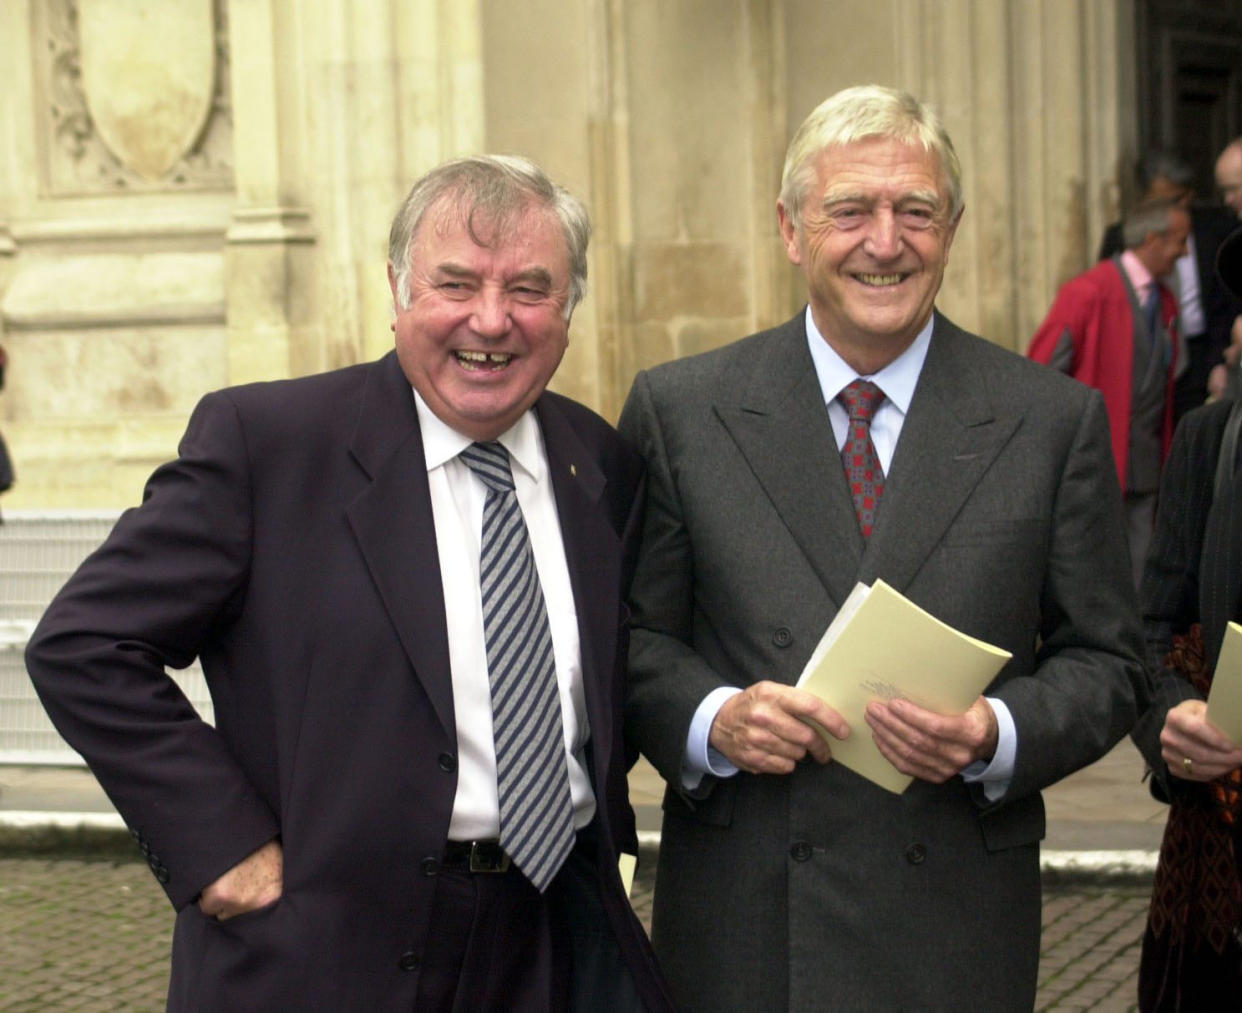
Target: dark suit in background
(1192, 589)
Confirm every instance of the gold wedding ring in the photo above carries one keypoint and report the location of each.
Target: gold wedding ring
(1188, 764)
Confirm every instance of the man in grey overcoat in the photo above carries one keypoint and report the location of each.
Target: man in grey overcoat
(984, 491)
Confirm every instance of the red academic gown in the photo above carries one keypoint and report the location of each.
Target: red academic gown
(1094, 309)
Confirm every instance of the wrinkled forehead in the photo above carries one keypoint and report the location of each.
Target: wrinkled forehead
(490, 225)
(880, 167)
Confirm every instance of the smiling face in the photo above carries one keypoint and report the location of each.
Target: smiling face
(873, 242)
(485, 327)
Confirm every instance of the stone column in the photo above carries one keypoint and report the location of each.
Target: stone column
(340, 105)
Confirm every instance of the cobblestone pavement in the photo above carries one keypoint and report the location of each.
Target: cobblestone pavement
(93, 935)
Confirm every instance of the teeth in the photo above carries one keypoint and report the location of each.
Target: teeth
(482, 358)
(879, 279)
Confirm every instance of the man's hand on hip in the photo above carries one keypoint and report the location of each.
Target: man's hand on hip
(254, 882)
(764, 729)
(930, 746)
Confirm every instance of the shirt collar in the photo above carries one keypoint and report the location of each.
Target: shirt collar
(1137, 274)
(898, 379)
(442, 443)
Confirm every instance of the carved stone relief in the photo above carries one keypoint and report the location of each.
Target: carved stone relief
(136, 95)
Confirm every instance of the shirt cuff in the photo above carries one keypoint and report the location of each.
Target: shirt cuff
(994, 777)
(701, 759)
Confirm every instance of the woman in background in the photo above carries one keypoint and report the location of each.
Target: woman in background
(1191, 589)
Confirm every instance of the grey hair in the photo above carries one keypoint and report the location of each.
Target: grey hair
(1161, 164)
(488, 192)
(1146, 217)
(856, 114)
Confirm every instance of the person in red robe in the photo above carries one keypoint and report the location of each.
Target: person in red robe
(1114, 328)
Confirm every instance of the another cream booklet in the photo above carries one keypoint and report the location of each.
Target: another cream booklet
(1224, 702)
(882, 646)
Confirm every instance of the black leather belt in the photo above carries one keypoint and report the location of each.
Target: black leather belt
(475, 856)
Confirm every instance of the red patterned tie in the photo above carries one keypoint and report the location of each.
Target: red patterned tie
(862, 464)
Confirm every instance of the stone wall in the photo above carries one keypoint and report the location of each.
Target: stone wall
(198, 192)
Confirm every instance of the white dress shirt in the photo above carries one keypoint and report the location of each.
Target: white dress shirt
(898, 380)
(457, 496)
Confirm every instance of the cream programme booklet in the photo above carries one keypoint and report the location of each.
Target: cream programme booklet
(881, 646)
(1224, 702)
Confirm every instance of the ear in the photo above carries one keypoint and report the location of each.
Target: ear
(392, 286)
(951, 232)
(789, 234)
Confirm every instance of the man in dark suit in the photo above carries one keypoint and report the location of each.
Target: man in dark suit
(414, 795)
(787, 882)
(1206, 309)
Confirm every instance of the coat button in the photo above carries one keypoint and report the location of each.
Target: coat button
(408, 961)
(429, 866)
(782, 636)
(915, 854)
(801, 851)
(161, 874)
(448, 762)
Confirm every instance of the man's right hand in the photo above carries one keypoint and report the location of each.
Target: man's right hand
(254, 882)
(764, 730)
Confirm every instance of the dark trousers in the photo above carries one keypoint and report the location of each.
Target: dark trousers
(498, 944)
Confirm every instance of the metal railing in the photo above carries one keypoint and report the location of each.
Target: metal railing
(38, 552)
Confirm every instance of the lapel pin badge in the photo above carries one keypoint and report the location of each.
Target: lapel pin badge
(573, 470)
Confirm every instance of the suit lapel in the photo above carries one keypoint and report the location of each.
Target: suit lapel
(776, 416)
(592, 558)
(393, 524)
(949, 440)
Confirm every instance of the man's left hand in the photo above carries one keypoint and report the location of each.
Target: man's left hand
(930, 746)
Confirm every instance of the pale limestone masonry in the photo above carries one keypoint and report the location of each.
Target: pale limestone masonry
(198, 192)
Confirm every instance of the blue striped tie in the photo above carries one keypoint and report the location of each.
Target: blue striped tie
(532, 778)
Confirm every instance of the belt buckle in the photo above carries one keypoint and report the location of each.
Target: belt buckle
(488, 857)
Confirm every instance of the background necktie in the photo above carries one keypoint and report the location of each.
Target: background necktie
(1151, 312)
(536, 810)
(862, 464)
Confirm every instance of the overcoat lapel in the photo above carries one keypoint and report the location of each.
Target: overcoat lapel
(949, 440)
(775, 413)
(393, 523)
(592, 558)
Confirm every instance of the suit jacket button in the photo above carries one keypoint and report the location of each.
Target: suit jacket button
(429, 866)
(915, 854)
(448, 762)
(801, 851)
(408, 961)
(782, 636)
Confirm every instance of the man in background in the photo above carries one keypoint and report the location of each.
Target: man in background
(1206, 309)
(1114, 328)
(1229, 175)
